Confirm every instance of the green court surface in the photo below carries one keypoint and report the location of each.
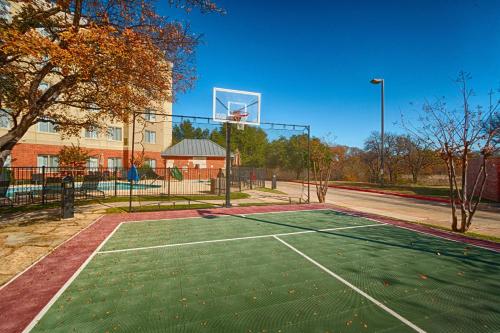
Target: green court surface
(280, 272)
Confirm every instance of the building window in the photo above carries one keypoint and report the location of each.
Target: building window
(93, 163)
(149, 115)
(151, 163)
(150, 136)
(50, 161)
(8, 161)
(91, 134)
(115, 133)
(5, 121)
(114, 162)
(46, 127)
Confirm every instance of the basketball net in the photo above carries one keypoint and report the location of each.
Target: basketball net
(238, 116)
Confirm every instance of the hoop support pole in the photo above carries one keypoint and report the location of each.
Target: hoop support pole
(228, 165)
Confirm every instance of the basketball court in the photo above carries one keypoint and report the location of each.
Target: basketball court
(270, 269)
(294, 268)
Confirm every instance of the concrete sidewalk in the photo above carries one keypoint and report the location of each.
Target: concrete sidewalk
(486, 221)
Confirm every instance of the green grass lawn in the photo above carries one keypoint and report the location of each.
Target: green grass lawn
(191, 275)
(269, 190)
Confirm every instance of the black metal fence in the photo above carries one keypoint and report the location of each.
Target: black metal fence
(40, 185)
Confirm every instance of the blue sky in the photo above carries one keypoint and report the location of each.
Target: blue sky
(312, 61)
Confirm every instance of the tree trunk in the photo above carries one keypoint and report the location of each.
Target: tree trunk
(414, 176)
(451, 175)
(321, 194)
(10, 139)
(6, 149)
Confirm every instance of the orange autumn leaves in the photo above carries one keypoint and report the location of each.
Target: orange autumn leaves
(63, 58)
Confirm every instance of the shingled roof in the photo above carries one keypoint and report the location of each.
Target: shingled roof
(195, 147)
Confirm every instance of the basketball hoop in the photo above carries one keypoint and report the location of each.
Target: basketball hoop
(236, 107)
(238, 116)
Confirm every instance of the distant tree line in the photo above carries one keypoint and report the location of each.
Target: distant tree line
(404, 155)
(253, 144)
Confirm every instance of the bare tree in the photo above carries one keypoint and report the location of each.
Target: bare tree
(323, 162)
(459, 134)
(371, 155)
(393, 153)
(394, 156)
(417, 156)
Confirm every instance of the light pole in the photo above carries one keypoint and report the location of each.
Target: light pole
(378, 81)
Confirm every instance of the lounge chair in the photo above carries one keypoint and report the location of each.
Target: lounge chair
(4, 187)
(37, 178)
(90, 184)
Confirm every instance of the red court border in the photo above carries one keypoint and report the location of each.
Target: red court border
(22, 298)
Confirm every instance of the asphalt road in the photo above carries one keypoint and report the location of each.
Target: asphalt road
(485, 222)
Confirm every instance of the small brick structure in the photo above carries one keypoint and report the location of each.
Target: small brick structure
(195, 153)
(492, 185)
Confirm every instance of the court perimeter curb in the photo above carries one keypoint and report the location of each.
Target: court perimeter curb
(27, 294)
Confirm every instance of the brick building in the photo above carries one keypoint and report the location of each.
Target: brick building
(195, 153)
(492, 185)
(41, 144)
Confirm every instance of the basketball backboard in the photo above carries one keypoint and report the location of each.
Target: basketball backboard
(236, 106)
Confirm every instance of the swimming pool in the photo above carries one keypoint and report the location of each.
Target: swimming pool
(103, 186)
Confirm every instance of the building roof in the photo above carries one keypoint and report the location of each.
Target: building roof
(195, 147)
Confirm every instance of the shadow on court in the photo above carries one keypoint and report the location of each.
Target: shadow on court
(428, 244)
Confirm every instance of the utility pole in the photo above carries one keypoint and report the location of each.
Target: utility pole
(381, 81)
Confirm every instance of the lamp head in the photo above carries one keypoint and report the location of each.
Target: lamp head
(376, 81)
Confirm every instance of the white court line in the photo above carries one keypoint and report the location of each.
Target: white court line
(67, 284)
(417, 231)
(239, 238)
(229, 215)
(359, 291)
(321, 209)
(50, 252)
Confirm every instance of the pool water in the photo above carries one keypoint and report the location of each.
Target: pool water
(103, 186)
(108, 186)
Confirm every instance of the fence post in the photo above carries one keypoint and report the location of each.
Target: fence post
(43, 185)
(239, 178)
(251, 178)
(116, 181)
(219, 178)
(168, 183)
